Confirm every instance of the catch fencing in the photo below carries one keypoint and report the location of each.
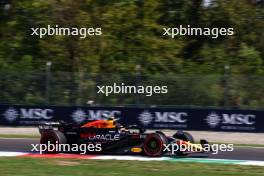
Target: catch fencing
(184, 90)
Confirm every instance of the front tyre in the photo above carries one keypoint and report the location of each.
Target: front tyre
(154, 144)
(184, 136)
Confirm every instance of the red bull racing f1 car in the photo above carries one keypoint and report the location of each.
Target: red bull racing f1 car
(117, 139)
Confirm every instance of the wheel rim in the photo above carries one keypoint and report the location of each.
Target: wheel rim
(153, 146)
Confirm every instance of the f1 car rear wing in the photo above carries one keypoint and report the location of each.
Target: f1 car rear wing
(49, 126)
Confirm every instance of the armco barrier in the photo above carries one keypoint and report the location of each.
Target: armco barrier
(150, 118)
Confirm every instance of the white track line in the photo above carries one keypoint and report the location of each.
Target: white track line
(260, 147)
(18, 138)
(12, 153)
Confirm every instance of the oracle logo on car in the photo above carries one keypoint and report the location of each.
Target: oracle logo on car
(100, 137)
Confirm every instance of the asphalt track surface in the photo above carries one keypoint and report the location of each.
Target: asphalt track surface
(239, 153)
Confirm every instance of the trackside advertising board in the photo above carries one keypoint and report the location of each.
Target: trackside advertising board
(149, 118)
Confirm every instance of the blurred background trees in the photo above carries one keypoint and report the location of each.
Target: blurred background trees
(199, 71)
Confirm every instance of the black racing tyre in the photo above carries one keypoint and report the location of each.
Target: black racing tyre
(185, 136)
(154, 144)
(52, 137)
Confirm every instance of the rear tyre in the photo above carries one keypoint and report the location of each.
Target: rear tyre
(52, 137)
(154, 144)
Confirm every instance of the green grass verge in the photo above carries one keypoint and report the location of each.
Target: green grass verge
(73, 167)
